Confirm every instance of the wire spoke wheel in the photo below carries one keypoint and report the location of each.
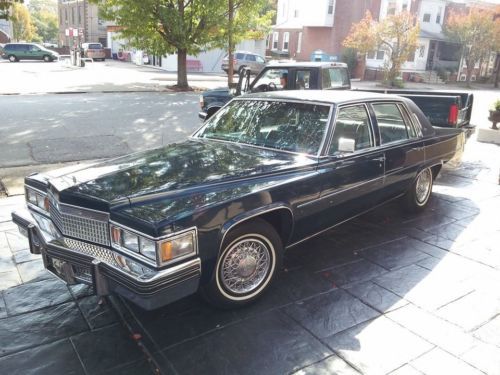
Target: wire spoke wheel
(245, 266)
(423, 186)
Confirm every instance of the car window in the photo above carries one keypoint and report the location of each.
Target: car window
(334, 78)
(290, 126)
(24, 47)
(390, 122)
(251, 57)
(95, 46)
(271, 79)
(240, 56)
(260, 60)
(302, 79)
(352, 126)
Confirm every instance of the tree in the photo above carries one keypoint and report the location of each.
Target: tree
(396, 34)
(45, 20)
(168, 26)
(477, 31)
(5, 6)
(22, 26)
(246, 19)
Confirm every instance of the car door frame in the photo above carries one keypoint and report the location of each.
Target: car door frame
(334, 205)
(397, 177)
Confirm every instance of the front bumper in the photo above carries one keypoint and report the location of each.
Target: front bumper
(107, 271)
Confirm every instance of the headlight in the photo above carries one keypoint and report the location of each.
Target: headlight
(176, 247)
(37, 199)
(161, 251)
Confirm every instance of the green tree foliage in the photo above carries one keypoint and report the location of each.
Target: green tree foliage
(168, 26)
(174, 26)
(22, 26)
(478, 31)
(396, 34)
(44, 16)
(5, 6)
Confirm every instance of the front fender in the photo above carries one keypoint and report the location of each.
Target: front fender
(238, 219)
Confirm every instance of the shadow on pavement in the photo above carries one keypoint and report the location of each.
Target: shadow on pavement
(359, 297)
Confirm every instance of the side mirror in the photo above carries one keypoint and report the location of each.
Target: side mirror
(346, 145)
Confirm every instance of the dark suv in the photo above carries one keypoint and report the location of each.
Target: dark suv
(28, 51)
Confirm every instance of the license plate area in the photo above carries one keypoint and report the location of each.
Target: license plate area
(61, 269)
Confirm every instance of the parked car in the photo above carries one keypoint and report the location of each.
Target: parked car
(442, 108)
(279, 76)
(242, 59)
(28, 51)
(216, 212)
(94, 51)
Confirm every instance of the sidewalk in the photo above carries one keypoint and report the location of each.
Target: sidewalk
(388, 293)
(49, 328)
(109, 76)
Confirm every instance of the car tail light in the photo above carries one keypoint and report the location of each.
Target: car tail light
(453, 115)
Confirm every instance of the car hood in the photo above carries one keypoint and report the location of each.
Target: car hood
(173, 170)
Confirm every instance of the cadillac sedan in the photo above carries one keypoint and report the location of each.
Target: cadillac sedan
(216, 212)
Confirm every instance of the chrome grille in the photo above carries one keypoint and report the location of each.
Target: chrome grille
(83, 225)
(94, 251)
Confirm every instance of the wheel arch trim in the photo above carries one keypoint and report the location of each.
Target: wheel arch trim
(245, 216)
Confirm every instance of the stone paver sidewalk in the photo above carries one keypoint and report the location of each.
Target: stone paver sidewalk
(387, 293)
(48, 328)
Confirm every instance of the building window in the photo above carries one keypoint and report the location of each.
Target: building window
(331, 4)
(404, 7)
(296, 13)
(438, 16)
(421, 51)
(427, 17)
(370, 55)
(286, 40)
(391, 8)
(380, 55)
(275, 40)
(299, 42)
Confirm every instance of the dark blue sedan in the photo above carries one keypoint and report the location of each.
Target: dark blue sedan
(216, 212)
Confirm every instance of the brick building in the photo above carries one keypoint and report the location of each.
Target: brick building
(303, 27)
(81, 15)
(5, 31)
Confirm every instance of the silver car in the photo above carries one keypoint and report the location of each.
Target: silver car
(244, 59)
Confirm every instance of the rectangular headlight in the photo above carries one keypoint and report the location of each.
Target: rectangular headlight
(162, 251)
(177, 247)
(37, 198)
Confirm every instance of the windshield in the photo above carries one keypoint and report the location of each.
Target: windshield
(281, 125)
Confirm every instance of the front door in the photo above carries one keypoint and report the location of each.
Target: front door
(352, 174)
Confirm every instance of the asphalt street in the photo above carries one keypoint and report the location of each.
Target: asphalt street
(42, 129)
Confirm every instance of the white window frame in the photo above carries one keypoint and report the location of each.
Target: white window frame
(286, 39)
(299, 42)
(274, 45)
(331, 3)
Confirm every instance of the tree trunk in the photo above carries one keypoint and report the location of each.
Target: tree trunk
(469, 72)
(182, 81)
(230, 50)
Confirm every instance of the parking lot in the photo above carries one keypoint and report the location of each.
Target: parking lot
(388, 293)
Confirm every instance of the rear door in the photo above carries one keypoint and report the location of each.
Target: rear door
(402, 145)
